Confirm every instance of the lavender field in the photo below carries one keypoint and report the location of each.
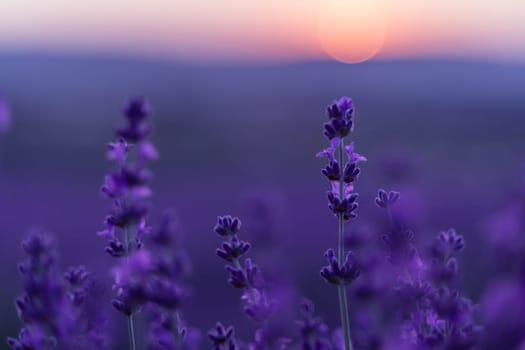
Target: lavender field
(437, 237)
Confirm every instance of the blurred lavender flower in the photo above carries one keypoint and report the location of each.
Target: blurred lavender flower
(398, 240)
(264, 223)
(127, 186)
(166, 329)
(223, 338)
(43, 306)
(386, 199)
(55, 308)
(342, 201)
(85, 294)
(131, 282)
(435, 315)
(314, 332)
(444, 263)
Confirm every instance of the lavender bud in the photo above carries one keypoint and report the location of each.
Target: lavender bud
(386, 199)
(233, 250)
(227, 225)
(223, 338)
(338, 274)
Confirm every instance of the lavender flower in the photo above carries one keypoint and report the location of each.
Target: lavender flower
(43, 306)
(342, 201)
(398, 240)
(166, 329)
(443, 251)
(223, 338)
(386, 199)
(314, 332)
(340, 118)
(127, 186)
(91, 323)
(340, 274)
(244, 275)
(55, 307)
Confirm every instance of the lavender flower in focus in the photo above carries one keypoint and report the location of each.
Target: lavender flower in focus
(245, 275)
(340, 274)
(341, 175)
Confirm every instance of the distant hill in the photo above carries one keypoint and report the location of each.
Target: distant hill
(74, 101)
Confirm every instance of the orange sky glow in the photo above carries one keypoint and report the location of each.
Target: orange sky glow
(268, 30)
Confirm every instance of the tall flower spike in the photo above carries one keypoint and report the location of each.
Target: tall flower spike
(166, 293)
(53, 306)
(244, 275)
(342, 171)
(127, 186)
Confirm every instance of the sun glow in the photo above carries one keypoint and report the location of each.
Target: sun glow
(351, 31)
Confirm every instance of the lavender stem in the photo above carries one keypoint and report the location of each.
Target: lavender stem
(131, 333)
(343, 304)
(131, 328)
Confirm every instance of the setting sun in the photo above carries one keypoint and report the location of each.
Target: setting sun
(351, 31)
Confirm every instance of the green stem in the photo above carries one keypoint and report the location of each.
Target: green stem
(343, 303)
(131, 328)
(131, 333)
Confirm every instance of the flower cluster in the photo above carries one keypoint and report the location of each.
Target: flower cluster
(166, 329)
(127, 186)
(314, 332)
(245, 275)
(397, 240)
(56, 308)
(435, 315)
(403, 297)
(43, 305)
(340, 274)
(223, 338)
(342, 200)
(340, 118)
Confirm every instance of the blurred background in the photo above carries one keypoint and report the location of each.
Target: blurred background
(239, 90)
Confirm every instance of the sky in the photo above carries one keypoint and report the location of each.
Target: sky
(269, 30)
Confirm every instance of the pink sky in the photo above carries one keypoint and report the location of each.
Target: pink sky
(268, 30)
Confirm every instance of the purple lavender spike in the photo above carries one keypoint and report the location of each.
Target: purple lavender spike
(342, 200)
